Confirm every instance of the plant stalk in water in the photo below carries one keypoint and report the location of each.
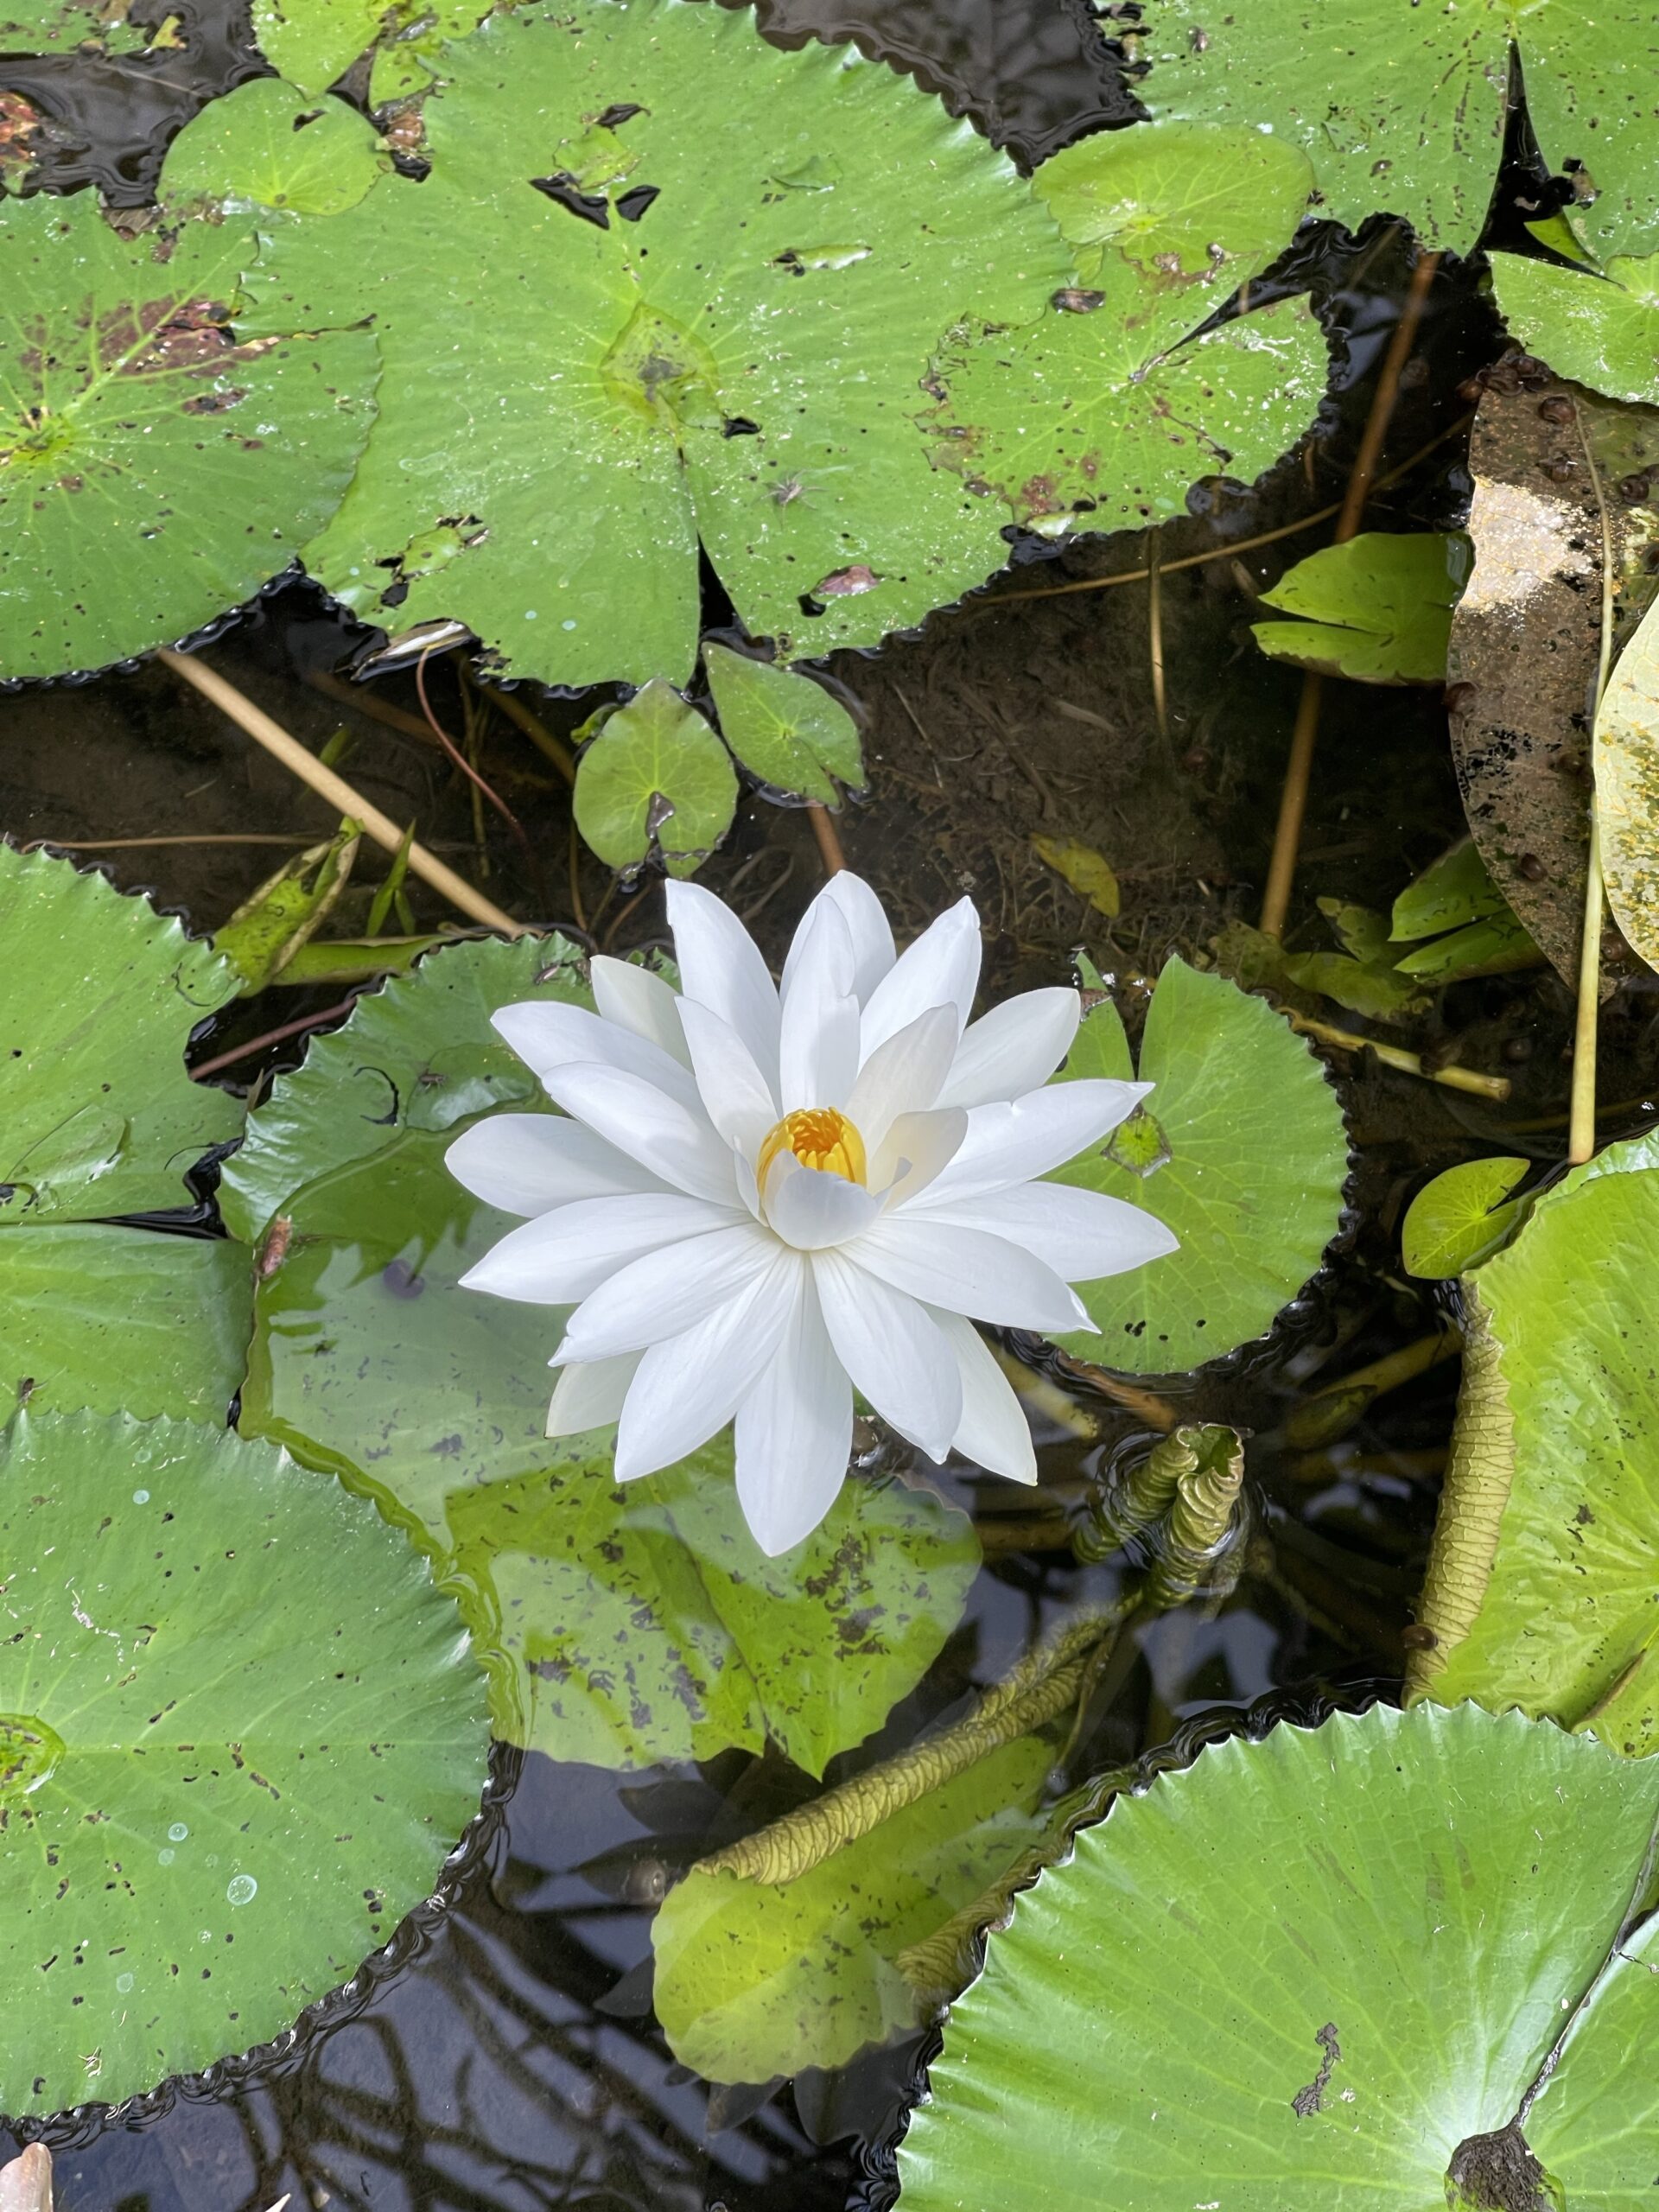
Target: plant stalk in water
(1582, 1125)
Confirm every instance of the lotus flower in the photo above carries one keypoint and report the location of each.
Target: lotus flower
(759, 1198)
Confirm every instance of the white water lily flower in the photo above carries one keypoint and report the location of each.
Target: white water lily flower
(759, 1198)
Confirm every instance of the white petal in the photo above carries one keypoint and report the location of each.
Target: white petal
(941, 968)
(564, 1256)
(995, 1432)
(917, 1148)
(818, 1056)
(689, 1385)
(1017, 1141)
(735, 1095)
(810, 1208)
(676, 1145)
(551, 1036)
(893, 1352)
(1082, 1234)
(794, 1431)
(668, 1291)
(968, 1271)
(637, 998)
(903, 1075)
(1013, 1048)
(590, 1396)
(866, 926)
(720, 967)
(527, 1163)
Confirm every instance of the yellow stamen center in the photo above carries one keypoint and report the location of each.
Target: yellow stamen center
(819, 1137)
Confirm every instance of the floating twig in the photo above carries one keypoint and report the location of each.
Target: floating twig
(336, 791)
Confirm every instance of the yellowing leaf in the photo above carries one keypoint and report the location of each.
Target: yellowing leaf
(1088, 873)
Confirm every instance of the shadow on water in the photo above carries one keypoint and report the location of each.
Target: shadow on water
(512, 2062)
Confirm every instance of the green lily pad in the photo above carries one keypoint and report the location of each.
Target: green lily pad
(314, 42)
(265, 145)
(166, 466)
(634, 1623)
(623, 328)
(99, 997)
(241, 1731)
(757, 1979)
(1324, 1970)
(655, 778)
(1102, 416)
(1404, 113)
(784, 729)
(69, 26)
(1539, 1586)
(122, 1321)
(1599, 326)
(1461, 1219)
(1248, 1172)
(1377, 610)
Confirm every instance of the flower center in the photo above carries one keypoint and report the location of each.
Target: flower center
(819, 1137)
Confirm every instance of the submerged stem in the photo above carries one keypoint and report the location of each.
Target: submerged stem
(1581, 1123)
(1034, 1692)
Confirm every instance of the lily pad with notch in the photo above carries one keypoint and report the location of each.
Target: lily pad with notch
(1377, 610)
(1240, 1150)
(1424, 1978)
(655, 779)
(240, 1730)
(1403, 111)
(628, 1624)
(1102, 415)
(161, 462)
(785, 729)
(626, 344)
(265, 145)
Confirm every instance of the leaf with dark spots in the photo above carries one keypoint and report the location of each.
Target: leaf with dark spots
(1520, 721)
(187, 520)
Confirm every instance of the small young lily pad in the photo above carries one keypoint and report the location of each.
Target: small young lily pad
(1461, 1219)
(265, 145)
(784, 729)
(633, 1623)
(1377, 609)
(240, 1729)
(98, 998)
(1240, 1150)
(1329, 1968)
(161, 465)
(1540, 1590)
(655, 779)
(1598, 326)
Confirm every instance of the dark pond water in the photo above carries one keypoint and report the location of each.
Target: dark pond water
(506, 2059)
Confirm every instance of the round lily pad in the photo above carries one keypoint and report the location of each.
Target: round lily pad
(1463, 1216)
(1328, 1969)
(655, 778)
(1540, 1591)
(160, 465)
(784, 728)
(1241, 1150)
(266, 145)
(660, 363)
(634, 1623)
(240, 1729)
(98, 998)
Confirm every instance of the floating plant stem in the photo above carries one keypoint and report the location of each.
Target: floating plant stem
(1033, 1693)
(338, 793)
(1330, 1413)
(1495, 1087)
(1292, 804)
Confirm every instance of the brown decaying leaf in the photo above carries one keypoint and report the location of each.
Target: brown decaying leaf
(1525, 636)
